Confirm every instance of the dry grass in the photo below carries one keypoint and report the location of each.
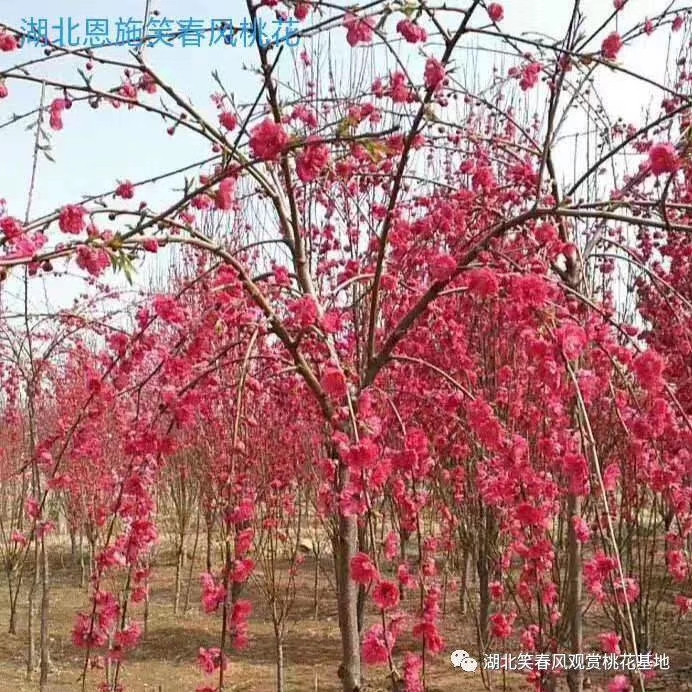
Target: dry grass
(165, 661)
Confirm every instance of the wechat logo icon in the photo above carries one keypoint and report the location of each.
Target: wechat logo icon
(461, 659)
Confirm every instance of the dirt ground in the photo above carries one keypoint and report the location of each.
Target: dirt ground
(165, 661)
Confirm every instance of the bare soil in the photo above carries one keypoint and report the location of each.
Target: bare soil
(165, 660)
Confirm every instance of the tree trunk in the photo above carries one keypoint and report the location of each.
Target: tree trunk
(209, 539)
(92, 556)
(362, 547)
(12, 628)
(360, 609)
(348, 597)
(403, 540)
(31, 649)
(45, 608)
(279, 642)
(73, 544)
(146, 610)
(192, 564)
(463, 586)
(82, 565)
(13, 599)
(316, 587)
(178, 577)
(483, 593)
(280, 666)
(575, 677)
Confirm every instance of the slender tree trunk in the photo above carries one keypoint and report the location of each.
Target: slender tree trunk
(403, 540)
(147, 597)
(92, 556)
(316, 587)
(73, 544)
(146, 611)
(82, 566)
(31, 649)
(575, 677)
(280, 684)
(363, 547)
(13, 599)
(192, 564)
(348, 596)
(463, 586)
(336, 560)
(178, 577)
(483, 592)
(45, 623)
(360, 609)
(209, 548)
(12, 627)
(109, 664)
(279, 643)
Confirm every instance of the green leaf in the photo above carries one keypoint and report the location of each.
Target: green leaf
(122, 262)
(344, 128)
(375, 149)
(128, 269)
(409, 9)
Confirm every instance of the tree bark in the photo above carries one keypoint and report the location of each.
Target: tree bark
(45, 608)
(13, 598)
(463, 586)
(178, 577)
(280, 685)
(348, 596)
(186, 606)
(316, 586)
(279, 643)
(146, 610)
(575, 677)
(12, 628)
(73, 545)
(31, 648)
(483, 591)
(362, 547)
(82, 565)
(209, 539)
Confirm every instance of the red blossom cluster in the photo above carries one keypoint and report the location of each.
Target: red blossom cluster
(412, 334)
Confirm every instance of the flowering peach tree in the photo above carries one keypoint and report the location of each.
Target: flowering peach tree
(433, 310)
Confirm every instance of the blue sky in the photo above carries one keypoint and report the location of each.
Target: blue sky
(96, 149)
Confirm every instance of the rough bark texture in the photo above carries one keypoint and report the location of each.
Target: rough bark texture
(575, 678)
(348, 598)
(45, 608)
